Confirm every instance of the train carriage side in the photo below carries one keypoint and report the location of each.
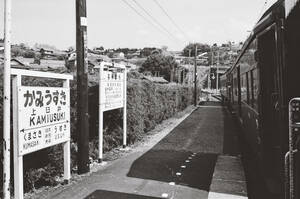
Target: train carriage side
(257, 79)
(259, 86)
(291, 77)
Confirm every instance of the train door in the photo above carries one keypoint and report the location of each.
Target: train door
(270, 109)
(236, 97)
(292, 43)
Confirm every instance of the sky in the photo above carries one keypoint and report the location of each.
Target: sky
(113, 24)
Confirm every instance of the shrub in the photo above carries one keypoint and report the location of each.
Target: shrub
(148, 104)
(29, 54)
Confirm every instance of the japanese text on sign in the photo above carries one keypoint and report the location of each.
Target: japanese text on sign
(111, 90)
(43, 117)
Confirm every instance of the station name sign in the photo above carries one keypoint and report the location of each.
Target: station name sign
(43, 117)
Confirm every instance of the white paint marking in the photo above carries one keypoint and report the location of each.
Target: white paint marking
(209, 106)
(164, 195)
(83, 21)
(213, 195)
(172, 183)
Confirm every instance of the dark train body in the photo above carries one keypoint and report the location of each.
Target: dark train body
(258, 87)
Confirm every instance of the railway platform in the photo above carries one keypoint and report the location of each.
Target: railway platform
(197, 159)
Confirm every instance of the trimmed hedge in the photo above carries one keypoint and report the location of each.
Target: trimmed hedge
(148, 104)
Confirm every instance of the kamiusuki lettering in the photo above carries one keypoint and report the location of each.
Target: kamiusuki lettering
(47, 118)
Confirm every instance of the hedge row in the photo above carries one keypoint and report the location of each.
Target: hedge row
(148, 104)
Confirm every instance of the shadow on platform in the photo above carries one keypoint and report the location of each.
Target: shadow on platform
(165, 160)
(162, 165)
(116, 195)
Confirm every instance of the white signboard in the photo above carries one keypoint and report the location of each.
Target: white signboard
(111, 90)
(43, 117)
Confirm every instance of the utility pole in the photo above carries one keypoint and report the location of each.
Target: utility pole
(190, 78)
(6, 100)
(212, 64)
(195, 77)
(82, 87)
(217, 86)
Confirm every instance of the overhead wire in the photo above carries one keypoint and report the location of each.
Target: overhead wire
(138, 13)
(146, 19)
(155, 20)
(262, 9)
(171, 19)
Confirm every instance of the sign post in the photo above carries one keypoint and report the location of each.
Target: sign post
(6, 100)
(112, 95)
(125, 109)
(41, 118)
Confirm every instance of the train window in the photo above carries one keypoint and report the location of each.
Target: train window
(252, 88)
(254, 79)
(244, 87)
(247, 82)
(235, 84)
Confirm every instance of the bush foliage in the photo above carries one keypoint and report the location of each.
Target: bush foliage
(147, 105)
(159, 63)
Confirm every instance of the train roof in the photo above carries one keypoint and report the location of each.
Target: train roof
(266, 19)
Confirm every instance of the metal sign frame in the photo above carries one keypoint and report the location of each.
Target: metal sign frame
(18, 158)
(294, 128)
(114, 68)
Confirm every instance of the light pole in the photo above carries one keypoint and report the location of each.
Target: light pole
(195, 77)
(217, 80)
(190, 51)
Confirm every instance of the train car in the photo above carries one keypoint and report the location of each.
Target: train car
(265, 77)
(223, 88)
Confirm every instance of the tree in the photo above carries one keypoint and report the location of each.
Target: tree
(145, 52)
(165, 65)
(71, 49)
(201, 48)
(29, 54)
(164, 48)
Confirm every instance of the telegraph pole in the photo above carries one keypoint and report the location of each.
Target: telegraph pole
(217, 86)
(190, 78)
(195, 77)
(6, 100)
(82, 88)
(212, 64)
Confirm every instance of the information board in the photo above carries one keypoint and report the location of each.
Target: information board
(43, 117)
(111, 90)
